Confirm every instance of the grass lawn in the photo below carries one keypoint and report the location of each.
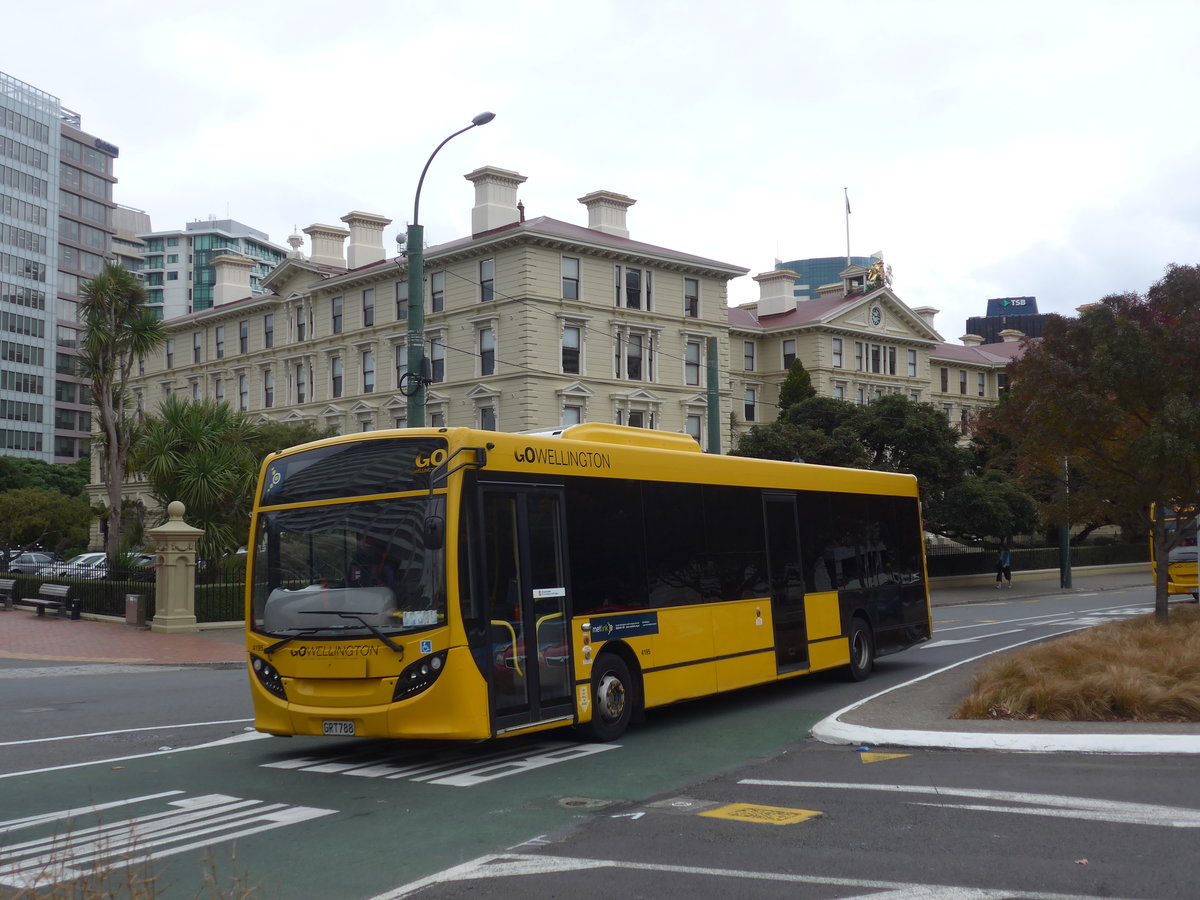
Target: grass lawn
(1129, 671)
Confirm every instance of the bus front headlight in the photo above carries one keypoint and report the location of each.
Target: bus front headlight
(267, 676)
(419, 676)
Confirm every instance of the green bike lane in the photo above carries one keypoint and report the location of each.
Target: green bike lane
(321, 818)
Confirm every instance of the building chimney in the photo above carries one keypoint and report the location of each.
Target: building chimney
(231, 278)
(927, 313)
(776, 292)
(366, 238)
(495, 198)
(606, 211)
(971, 340)
(1011, 335)
(327, 245)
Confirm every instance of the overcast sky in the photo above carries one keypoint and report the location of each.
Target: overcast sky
(990, 149)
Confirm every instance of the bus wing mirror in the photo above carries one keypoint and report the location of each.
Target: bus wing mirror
(435, 532)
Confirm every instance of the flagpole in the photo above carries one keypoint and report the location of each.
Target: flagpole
(846, 194)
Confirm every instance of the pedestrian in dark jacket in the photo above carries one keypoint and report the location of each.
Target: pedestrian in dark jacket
(1003, 567)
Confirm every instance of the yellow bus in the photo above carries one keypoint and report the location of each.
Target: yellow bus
(448, 583)
(1182, 557)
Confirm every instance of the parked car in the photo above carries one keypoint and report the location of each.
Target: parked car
(85, 565)
(31, 561)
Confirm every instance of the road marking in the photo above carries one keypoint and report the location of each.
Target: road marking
(489, 868)
(448, 767)
(188, 823)
(762, 815)
(970, 640)
(92, 734)
(88, 670)
(1053, 805)
(868, 757)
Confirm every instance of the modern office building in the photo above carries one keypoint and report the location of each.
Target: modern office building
(56, 227)
(128, 248)
(178, 266)
(1007, 314)
(812, 274)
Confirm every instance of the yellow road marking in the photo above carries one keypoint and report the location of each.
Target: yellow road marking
(882, 757)
(764, 815)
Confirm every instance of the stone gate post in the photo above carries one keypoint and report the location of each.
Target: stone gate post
(175, 576)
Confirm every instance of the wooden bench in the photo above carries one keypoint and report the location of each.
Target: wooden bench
(54, 596)
(8, 588)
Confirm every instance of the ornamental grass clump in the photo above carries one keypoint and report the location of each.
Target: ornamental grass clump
(1134, 670)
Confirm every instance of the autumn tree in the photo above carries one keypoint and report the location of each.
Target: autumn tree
(1115, 394)
(118, 328)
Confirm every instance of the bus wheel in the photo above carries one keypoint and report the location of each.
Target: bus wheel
(613, 700)
(862, 650)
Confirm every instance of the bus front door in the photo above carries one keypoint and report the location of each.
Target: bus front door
(787, 582)
(525, 578)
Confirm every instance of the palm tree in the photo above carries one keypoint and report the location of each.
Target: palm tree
(200, 452)
(118, 328)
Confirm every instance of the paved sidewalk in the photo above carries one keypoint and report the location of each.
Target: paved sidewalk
(25, 635)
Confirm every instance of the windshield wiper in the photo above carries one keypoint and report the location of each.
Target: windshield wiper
(300, 632)
(358, 617)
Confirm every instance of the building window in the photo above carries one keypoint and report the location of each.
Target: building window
(962, 381)
(691, 363)
(839, 392)
(401, 301)
(748, 355)
(269, 330)
(858, 356)
(691, 298)
(572, 415)
(891, 356)
(335, 307)
(572, 336)
(172, 276)
(692, 425)
(300, 320)
(220, 341)
(368, 308)
(789, 353)
(945, 380)
(195, 390)
(243, 393)
(637, 419)
(982, 384)
(876, 352)
(244, 336)
(437, 291)
(196, 345)
(437, 360)
(401, 360)
(860, 396)
(487, 418)
(633, 287)
(634, 356)
(218, 390)
(335, 375)
(368, 371)
(301, 384)
(268, 382)
(912, 363)
(837, 353)
(570, 278)
(170, 353)
(487, 280)
(487, 351)
(750, 405)
(964, 420)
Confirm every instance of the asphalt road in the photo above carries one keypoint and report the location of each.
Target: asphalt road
(717, 797)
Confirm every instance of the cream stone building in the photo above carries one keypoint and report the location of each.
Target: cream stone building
(858, 341)
(529, 323)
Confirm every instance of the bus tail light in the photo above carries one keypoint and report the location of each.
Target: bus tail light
(267, 676)
(419, 676)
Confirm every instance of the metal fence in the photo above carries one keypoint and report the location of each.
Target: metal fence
(944, 560)
(99, 596)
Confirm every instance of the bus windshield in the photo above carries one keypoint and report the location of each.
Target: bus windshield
(350, 570)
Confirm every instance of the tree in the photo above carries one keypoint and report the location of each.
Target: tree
(271, 437)
(118, 328)
(1115, 393)
(70, 480)
(900, 435)
(32, 517)
(796, 387)
(991, 505)
(200, 453)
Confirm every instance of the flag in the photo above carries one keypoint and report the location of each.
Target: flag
(847, 201)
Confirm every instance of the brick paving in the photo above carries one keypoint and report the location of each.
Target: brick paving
(25, 635)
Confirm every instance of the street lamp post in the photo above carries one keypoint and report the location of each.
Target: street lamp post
(416, 377)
